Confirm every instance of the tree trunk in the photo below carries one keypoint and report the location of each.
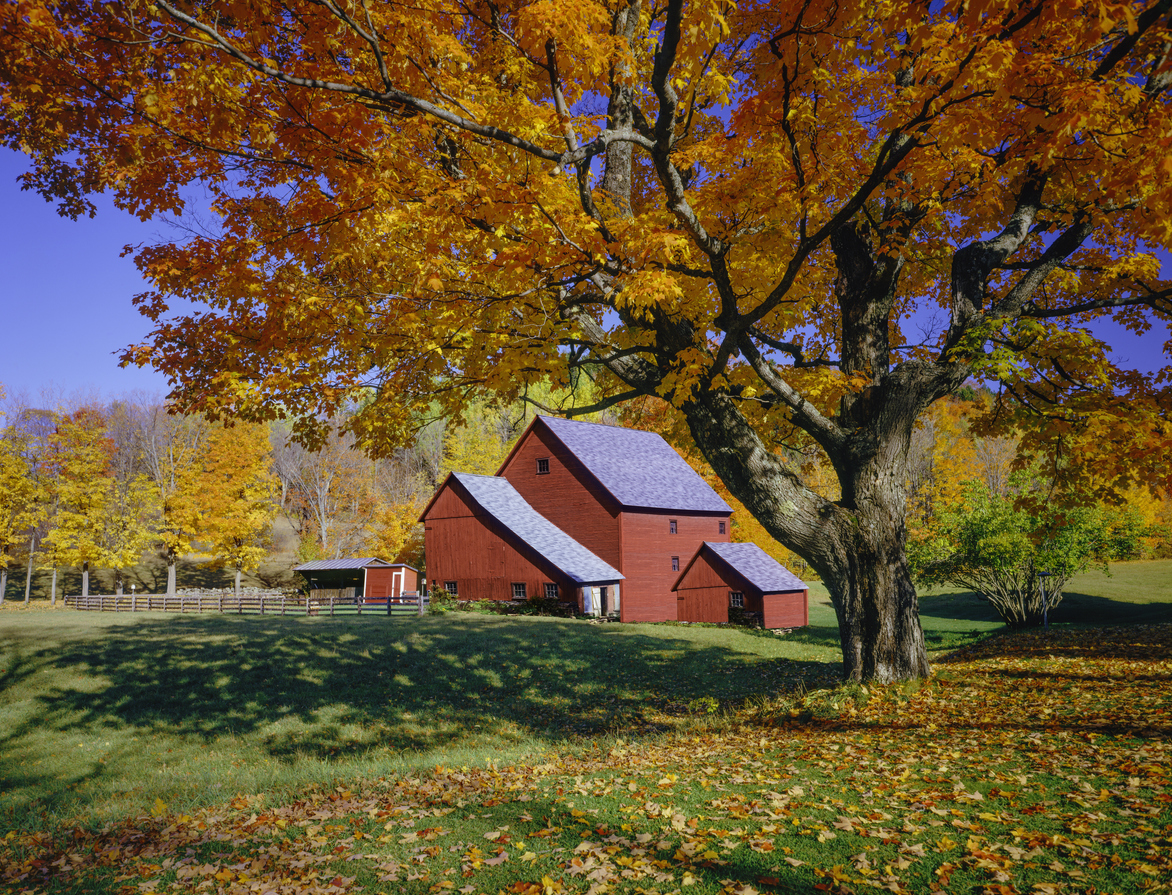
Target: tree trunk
(857, 544)
(3, 583)
(85, 579)
(238, 582)
(118, 582)
(171, 561)
(53, 589)
(28, 574)
(875, 601)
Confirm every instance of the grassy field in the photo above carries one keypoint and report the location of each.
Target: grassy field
(700, 756)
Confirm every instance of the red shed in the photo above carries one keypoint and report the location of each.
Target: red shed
(626, 496)
(390, 581)
(373, 579)
(742, 576)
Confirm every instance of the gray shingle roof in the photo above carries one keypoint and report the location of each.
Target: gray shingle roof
(321, 565)
(638, 468)
(757, 567)
(500, 500)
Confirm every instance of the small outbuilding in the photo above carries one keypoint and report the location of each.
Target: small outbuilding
(374, 580)
(724, 576)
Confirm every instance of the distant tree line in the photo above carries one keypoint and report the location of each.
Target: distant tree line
(90, 485)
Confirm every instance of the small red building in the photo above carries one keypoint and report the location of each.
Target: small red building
(725, 576)
(623, 494)
(484, 542)
(373, 579)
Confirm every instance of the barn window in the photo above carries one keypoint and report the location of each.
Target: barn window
(551, 590)
(721, 527)
(675, 563)
(671, 526)
(543, 465)
(736, 599)
(518, 590)
(450, 587)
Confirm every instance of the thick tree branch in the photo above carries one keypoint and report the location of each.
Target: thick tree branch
(824, 430)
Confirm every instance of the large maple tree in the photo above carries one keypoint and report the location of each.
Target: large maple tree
(795, 221)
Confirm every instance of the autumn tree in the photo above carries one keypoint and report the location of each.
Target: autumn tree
(171, 445)
(237, 496)
(18, 499)
(745, 209)
(79, 480)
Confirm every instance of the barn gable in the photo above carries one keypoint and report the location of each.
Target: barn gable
(638, 470)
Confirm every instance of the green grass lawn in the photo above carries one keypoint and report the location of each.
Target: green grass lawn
(596, 730)
(103, 713)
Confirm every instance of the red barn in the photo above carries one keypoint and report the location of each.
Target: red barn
(625, 495)
(741, 576)
(484, 542)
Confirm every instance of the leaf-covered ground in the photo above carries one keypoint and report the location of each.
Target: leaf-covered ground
(1033, 763)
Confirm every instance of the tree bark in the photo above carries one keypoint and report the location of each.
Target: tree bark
(53, 589)
(171, 563)
(28, 573)
(85, 579)
(3, 583)
(238, 582)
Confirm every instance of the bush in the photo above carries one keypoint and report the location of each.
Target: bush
(1017, 561)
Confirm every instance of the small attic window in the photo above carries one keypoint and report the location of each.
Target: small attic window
(543, 465)
(675, 563)
(720, 528)
(671, 526)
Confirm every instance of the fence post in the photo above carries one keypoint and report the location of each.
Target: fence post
(419, 598)
(331, 607)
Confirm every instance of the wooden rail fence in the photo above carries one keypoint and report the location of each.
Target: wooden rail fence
(409, 603)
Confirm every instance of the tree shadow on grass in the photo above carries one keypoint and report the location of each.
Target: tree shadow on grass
(295, 688)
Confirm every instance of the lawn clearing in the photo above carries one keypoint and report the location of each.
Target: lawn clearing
(106, 713)
(1037, 763)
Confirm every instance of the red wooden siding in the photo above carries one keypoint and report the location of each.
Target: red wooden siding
(568, 496)
(702, 595)
(471, 550)
(787, 610)
(648, 547)
(384, 582)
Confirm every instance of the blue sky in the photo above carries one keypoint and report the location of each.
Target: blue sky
(66, 297)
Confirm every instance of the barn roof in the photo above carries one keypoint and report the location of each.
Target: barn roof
(638, 468)
(323, 565)
(756, 566)
(498, 498)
